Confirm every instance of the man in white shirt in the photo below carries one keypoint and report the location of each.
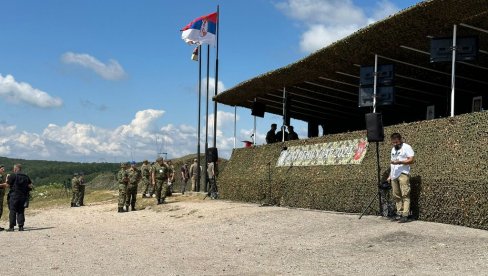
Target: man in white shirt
(402, 156)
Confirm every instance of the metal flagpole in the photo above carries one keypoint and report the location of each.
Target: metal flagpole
(216, 78)
(197, 186)
(453, 75)
(378, 168)
(206, 120)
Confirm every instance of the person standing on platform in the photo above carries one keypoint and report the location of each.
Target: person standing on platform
(402, 156)
(185, 176)
(279, 135)
(271, 135)
(292, 135)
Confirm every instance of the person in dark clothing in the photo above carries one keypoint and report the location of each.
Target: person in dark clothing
(271, 136)
(20, 185)
(279, 135)
(292, 135)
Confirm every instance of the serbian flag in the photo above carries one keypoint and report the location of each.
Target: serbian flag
(201, 30)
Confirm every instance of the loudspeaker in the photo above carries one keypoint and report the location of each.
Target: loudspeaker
(258, 109)
(313, 129)
(287, 110)
(212, 155)
(374, 127)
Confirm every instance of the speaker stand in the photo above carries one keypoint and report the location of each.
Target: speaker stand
(378, 194)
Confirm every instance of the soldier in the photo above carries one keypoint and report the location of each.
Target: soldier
(193, 173)
(81, 178)
(123, 179)
(2, 192)
(185, 175)
(20, 185)
(75, 189)
(292, 135)
(145, 178)
(171, 177)
(159, 177)
(134, 177)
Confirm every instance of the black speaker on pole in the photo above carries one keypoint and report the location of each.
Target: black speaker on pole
(258, 109)
(313, 129)
(374, 127)
(212, 155)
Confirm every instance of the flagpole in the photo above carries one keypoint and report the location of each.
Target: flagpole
(206, 118)
(197, 184)
(216, 78)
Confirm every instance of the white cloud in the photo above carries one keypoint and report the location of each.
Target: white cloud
(138, 139)
(111, 70)
(327, 21)
(22, 92)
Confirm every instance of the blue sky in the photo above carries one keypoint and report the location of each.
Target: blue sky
(87, 80)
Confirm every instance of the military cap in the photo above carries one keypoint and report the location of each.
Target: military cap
(160, 159)
(75, 174)
(145, 161)
(123, 164)
(2, 166)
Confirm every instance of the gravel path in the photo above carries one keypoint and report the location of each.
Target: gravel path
(195, 237)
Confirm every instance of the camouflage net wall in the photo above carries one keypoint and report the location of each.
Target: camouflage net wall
(449, 179)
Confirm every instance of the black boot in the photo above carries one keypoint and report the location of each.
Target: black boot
(144, 195)
(133, 207)
(120, 210)
(72, 204)
(21, 227)
(127, 208)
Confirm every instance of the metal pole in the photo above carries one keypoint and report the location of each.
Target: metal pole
(235, 126)
(453, 75)
(284, 114)
(216, 78)
(375, 81)
(379, 175)
(254, 133)
(197, 186)
(206, 120)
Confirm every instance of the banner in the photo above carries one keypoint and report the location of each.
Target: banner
(334, 153)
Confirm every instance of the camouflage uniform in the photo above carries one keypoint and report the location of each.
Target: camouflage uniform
(75, 189)
(2, 195)
(171, 178)
(134, 176)
(122, 178)
(160, 172)
(146, 178)
(82, 190)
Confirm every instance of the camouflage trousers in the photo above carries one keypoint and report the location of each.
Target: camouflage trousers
(2, 195)
(161, 189)
(146, 185)
(75, 199)
(131, 195)
(82, 195)
(122, 195)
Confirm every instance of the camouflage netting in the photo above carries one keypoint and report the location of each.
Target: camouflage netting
(449, 178)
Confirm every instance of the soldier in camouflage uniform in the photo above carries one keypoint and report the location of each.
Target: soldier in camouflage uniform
(134, 177)
(159, 179)
(2, 191)
(123, 179)
(146, 178)
(171, 177)
(75, 189)
(81, 178)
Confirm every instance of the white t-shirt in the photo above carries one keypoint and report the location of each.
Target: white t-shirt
(400, 155)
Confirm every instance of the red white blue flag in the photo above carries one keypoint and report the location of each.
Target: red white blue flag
(201, 30)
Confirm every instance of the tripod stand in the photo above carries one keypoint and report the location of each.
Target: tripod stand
(378, 194)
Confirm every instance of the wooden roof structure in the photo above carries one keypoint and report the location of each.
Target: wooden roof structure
(324, 86)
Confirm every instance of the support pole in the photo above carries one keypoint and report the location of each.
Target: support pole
(375, 83)
(453, 75)
(254, 133)
(197, 186)
(378, 168)
(205, 188)
(284, 114)
(216, 78)
(235, 126)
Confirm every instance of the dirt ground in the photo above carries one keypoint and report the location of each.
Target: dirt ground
(196, 237)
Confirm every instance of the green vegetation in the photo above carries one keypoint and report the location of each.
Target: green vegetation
(449, 179)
